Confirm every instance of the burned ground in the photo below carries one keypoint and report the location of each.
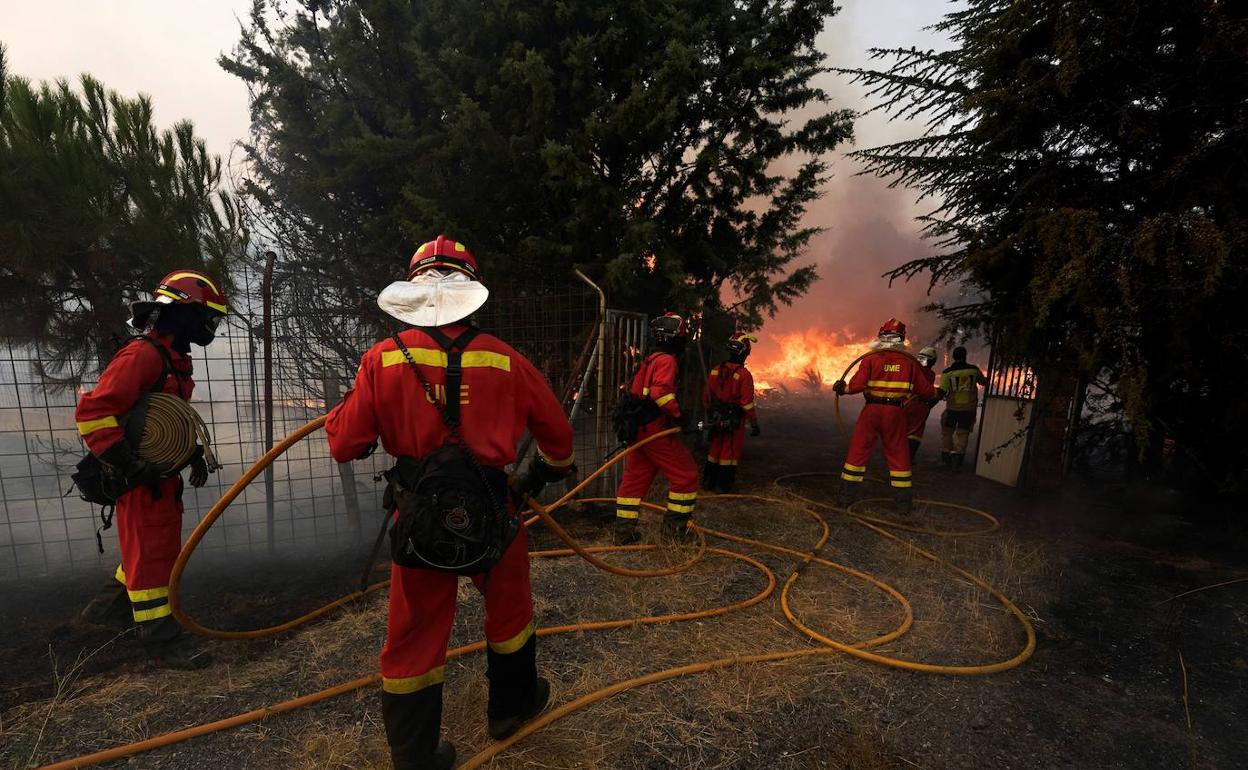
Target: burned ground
(1096, 570)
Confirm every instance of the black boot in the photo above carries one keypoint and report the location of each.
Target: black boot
(946, 459)
(625, 532)
(676, 526)
(904, 499)
(914, 448)
(956, 458)
(169, 647)
(517, 694)
(845, 494)
(413, 722)
(727, 479)
(109, 607)
(710, 475)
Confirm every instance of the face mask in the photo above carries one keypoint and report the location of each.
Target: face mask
(205, 332)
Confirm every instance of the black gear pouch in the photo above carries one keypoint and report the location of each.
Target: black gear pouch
(631, 414)
(447, 519)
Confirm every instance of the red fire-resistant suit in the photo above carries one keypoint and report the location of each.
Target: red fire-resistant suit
(501, 395)
(730, 383)
(889, 379)
(656, 380)
(917, 410)
(149, 527)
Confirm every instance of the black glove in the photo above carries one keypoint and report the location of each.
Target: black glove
(539, 474)
(754, 429)
(838, 387)
(199, 468)
(368, 451)
(123, 460)
(685, 421)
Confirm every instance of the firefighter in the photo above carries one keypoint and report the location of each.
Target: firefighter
(188, 305)
(655, 381)
(917, 409)
(889, 379)
(959, 386)
(729, 398)
(501, 396)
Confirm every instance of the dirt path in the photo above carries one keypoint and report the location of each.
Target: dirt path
(1095, 569)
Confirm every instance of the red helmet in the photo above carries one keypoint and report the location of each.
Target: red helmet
(739, 344)
(669, 326)
(893, 326)
(190, 287)
(444, 254)
(181, 287)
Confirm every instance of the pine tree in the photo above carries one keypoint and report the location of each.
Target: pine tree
(638, 139)
(1088, 162)
(96, 206)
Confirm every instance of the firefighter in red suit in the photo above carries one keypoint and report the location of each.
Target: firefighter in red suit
(656, 380)
(729, 399)
(187, 308)
(889, 379)
(917, 409)
(501, 396)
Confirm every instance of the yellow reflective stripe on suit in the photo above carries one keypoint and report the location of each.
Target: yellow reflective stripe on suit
(87, 427)
(411, 684)
(472, 359)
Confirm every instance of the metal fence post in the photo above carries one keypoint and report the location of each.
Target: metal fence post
(266, 293)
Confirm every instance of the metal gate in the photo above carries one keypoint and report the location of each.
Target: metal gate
(622, 346)
(1005, 423)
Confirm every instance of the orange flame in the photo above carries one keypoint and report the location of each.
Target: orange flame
(808, 356)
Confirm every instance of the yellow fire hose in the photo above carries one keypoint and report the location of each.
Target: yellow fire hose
(807, 505)
(172, 430)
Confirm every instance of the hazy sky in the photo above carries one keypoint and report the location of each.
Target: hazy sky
(168, 49)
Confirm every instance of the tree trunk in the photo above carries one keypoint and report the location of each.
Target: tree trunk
(1052, 422)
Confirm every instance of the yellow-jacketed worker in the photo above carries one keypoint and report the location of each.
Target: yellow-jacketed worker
(959, 386)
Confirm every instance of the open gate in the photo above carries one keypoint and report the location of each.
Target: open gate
(1005, 423)
(624, 336)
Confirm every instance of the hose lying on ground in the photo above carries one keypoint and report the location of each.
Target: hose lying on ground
(860, 650)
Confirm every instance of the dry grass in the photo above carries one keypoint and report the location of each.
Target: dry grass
(800, 713)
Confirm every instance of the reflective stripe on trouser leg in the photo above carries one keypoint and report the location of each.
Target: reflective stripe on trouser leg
(149, 534)
(418, 628)
(510, 632)
(508, 598)
(627, 507)
(892, 425)
(853, 473)
(681, 503)
(639, 473)
(513, 679)
(861, 442)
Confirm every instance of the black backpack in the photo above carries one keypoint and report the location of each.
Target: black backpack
(452, 511)
(632, 412)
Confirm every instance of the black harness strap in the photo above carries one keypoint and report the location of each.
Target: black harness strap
(455, 349)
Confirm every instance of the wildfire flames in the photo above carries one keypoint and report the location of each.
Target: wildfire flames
(810, 359)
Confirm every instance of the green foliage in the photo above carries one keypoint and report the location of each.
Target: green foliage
(1088, 159)
(545, 135)
(95, 207)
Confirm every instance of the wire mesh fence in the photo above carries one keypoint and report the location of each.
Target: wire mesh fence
(311, 501)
